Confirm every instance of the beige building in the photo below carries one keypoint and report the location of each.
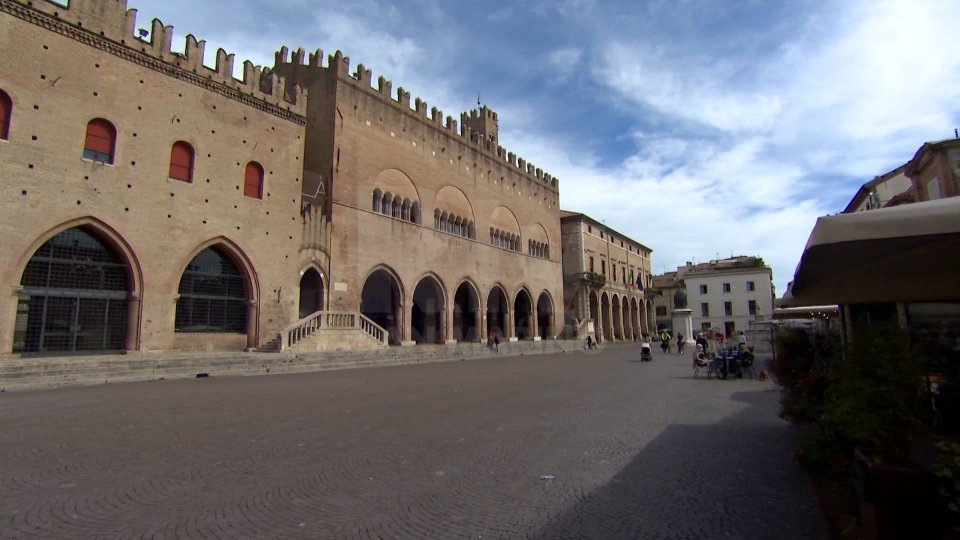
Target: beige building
(891, 189)
(723, 295)
(153, 203)
(605, 275)
(935, 170)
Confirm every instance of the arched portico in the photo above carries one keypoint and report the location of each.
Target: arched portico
(595, 312)
(427, 321)
(605, 317)
(498, 312)
(545, 318)
(523, 315)
(466, 313)
(380, 301)
(617, 317)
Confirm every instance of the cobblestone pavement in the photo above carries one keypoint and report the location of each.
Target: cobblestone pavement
(579, 445)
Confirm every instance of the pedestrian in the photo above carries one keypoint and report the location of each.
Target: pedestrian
(589, 342)
(496, 341)
(665, 341)
(680, 343)
(702, 341)
(743, 339)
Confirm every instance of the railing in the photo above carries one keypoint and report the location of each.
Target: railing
(338, 320)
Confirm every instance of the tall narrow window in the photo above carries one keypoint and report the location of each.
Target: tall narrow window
(100, 141)
(253, 181)
(376, 200)
(6, 109)
(181, 162)
(705, 309)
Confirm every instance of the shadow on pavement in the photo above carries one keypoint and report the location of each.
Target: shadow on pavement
(736, 479)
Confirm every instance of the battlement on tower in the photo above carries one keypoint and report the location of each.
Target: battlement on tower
(108, 25)
(476, 129)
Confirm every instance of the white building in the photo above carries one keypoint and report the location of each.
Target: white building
(724, 295)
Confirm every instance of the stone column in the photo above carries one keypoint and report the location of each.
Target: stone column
(133, 322)
(448, 323)
(535, 323)
(253, 315)
(406, 324)
(510, 332)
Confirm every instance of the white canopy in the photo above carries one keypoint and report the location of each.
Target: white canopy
(904, 253)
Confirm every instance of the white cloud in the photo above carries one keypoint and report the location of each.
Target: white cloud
(565, 61)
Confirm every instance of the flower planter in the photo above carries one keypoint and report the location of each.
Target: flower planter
(895, 502)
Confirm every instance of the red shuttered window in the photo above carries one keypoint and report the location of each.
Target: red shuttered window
(6, 109)
(253, 181)
(181, 162)
(100, 140)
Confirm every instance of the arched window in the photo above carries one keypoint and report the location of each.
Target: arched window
(415, 212)
(100, 141)
(181, 161)
(212, 296)
(395, 207)
(385, 203)
(253, 181)
(376, 200)
(405, 210)
(6, 110)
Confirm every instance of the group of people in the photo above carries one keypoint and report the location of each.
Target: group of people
(700, 340)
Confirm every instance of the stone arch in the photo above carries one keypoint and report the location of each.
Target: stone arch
(248, 277)
(635, 318)
(381, 300)
(454, 201)
(466, 312)
(595, 312)
(397, 183)
(498, 311)
(428, 310)
(605, 325)
(545, 316)
(98, 249)
(523, 320)
(503, 219)
(617, 317)
(625, 319)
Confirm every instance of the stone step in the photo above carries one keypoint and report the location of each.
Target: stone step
(22, 373)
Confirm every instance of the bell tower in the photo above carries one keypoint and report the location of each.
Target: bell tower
(483, 122)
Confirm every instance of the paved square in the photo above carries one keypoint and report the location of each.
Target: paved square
(547, 446)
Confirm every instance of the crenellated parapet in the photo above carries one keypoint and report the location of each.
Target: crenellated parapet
(476, 129)
(109, 26)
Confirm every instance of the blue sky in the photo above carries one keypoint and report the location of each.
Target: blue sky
(701, 129)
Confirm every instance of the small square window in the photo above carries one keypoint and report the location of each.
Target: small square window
(726, 287)
(751, 286)
(703, 289)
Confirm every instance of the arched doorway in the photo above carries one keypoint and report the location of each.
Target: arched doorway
(545, 316)
(617, 318)
(497, 312)
(380, 302)
(74, 298)
(466, 307)
(635, 318)
(522, 315)
(311, 293)
(427, 312)
(605, 317)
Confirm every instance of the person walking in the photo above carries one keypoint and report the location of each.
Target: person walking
(680, 343)
(665, 341)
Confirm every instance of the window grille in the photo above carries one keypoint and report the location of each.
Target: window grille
(74, 297)
(212, 296)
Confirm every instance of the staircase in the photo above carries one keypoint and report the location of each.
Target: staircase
(331, 331)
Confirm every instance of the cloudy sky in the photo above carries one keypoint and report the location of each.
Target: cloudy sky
(701, 129)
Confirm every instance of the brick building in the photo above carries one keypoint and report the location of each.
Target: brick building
(152, 203)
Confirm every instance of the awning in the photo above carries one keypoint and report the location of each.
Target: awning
(905, 253)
